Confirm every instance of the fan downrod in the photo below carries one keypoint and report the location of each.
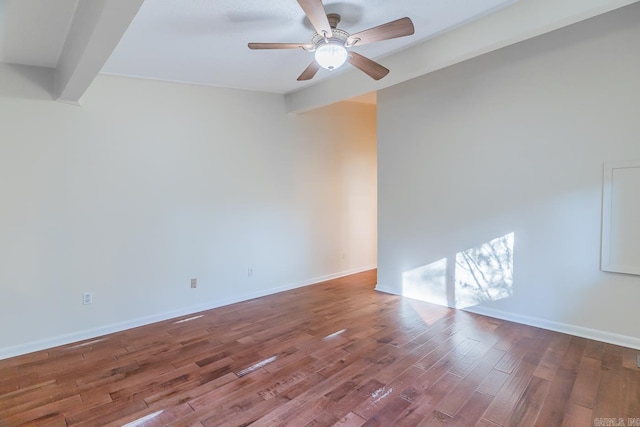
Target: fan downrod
(334, 20)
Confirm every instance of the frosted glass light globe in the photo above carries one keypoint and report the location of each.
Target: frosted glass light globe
(331, 55)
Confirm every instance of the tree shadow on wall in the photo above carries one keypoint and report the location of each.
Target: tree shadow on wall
(479, 274)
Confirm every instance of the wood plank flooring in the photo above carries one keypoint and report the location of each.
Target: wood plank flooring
(335, 353)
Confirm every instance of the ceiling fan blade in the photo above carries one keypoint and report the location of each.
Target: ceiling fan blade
(309, 72)
(372, 68)
(317, 15)
(305, 46)
(391, 30)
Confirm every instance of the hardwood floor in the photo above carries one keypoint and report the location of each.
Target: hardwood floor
(335, 353)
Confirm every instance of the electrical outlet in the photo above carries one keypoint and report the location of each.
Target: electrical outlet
(250, 272)
(194, 283)
(87, 298)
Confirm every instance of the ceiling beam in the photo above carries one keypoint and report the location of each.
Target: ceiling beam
(96, 29)
(519, 21)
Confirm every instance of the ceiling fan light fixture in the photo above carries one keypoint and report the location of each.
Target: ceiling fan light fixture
(331, 43)
(331, 55)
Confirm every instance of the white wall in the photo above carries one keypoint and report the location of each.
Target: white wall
(149, 184)
(514, 141)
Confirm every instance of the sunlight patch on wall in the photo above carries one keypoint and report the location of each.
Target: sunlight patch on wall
(484, 273)
(479, 274)
(427, 283)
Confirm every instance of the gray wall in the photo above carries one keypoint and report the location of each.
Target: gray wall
(514, 142)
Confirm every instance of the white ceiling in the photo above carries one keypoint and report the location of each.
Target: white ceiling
(33, 33)
(205, 41)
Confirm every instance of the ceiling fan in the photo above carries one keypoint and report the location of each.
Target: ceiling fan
(332, 45)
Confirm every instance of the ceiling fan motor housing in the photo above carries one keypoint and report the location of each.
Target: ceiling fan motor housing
(338, 36)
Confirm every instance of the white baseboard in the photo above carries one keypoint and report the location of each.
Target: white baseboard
(44, 344)
(386, 290)
(565, 328)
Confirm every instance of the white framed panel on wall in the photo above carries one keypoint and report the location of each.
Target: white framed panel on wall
(620, 251)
